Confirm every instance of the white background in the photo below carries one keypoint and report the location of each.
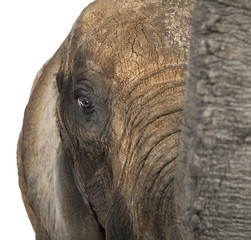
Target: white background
(30, 33)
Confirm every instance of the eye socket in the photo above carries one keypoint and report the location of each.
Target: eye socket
(85, 103)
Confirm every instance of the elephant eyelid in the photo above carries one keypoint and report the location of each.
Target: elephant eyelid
(81, 92)
(83, 84)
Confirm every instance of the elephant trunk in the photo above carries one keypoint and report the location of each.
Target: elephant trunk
(149, 151)
(213, 176)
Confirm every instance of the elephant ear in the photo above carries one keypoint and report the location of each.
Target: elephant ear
(45, 178)
(31, 158)
(54, 205)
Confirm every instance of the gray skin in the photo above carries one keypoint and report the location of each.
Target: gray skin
(99, 144)
(213, 177)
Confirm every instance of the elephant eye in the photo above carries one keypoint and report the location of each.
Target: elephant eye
(85, 102)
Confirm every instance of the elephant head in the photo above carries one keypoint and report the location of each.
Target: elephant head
(99, 143)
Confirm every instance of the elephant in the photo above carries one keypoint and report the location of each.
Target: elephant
(99, 145)
(114, 146)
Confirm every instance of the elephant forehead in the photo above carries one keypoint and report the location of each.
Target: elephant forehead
(131, 41)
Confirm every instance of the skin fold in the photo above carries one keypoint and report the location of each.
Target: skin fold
(99, 145)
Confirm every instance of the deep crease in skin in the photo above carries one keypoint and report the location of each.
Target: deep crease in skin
(158, 86)
(129, 159)
(145, 159)
(136, 63)
(165, 137)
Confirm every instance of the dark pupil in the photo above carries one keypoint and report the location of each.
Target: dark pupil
(85, 102)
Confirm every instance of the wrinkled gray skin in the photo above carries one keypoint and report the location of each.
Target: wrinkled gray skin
(213, 177)
(106, 170)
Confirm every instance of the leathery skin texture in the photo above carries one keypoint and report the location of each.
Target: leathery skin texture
(99, 144)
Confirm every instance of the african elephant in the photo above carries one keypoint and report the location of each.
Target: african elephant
(99, 144)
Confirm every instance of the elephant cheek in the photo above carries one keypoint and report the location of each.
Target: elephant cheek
(152, 189)
(145, 196)
(148, 152)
